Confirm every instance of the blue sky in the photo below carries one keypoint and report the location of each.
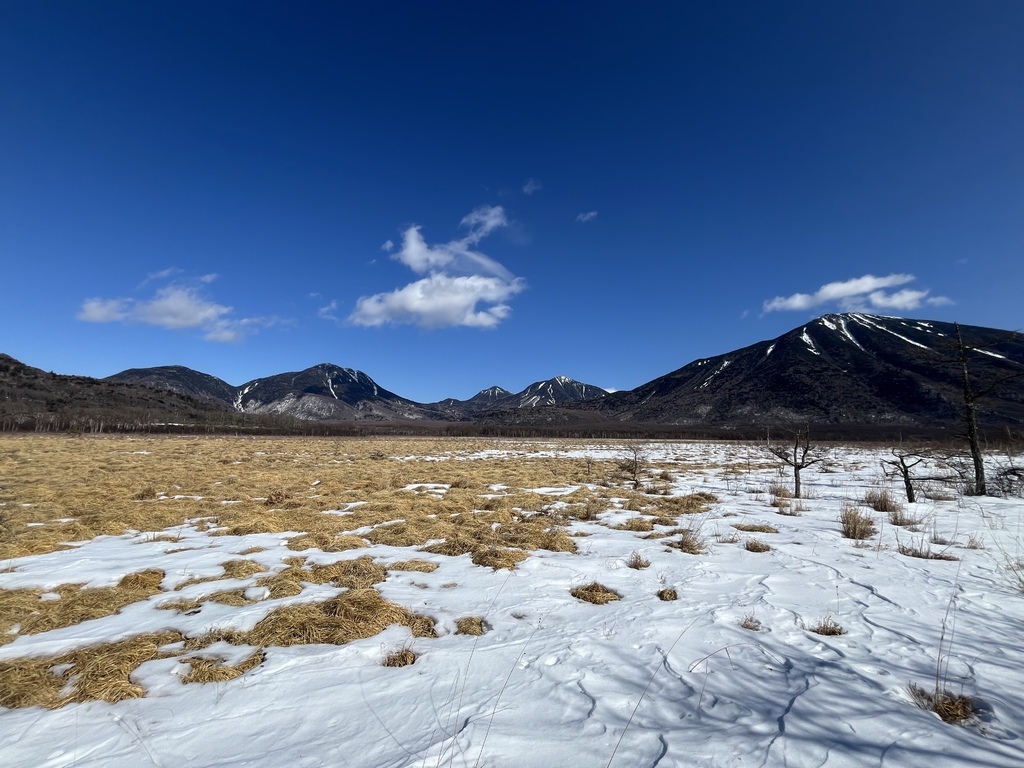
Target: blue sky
(449, 196)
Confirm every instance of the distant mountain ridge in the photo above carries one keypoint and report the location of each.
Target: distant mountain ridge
(852, 371)
(327, 392)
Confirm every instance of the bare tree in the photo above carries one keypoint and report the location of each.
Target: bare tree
(901, 463)
(634, 461)
(972, 394)
(802, 455)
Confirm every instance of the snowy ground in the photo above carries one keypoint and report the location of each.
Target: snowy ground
(556, 681)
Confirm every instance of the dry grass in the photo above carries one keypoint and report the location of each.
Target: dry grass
(756, 545)
(755, 527)
(900, 517)
(212, 669)
(690, 541)
(854, 524)
(596, 593)
(498, 557)
(637, 561)
(668, 594)
(95, 673)
(827, 626)
(400, 658)
(639, 524)
(921, 550)
(953, 709)
(750, 623)
(420, 566)
(881, 500)
(470, 625)
(31, 613)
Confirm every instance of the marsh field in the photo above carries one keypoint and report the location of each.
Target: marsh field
(224, 601)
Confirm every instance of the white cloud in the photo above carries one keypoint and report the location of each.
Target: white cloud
(388, 246)
(584, 217)
(440, 301)
(532, 185)
(457, 279)
(860, 293)
(174, 307)
(328, 312)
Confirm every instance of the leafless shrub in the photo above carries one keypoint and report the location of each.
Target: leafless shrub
(855, 524)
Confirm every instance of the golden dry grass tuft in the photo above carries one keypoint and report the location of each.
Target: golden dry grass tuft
(470, 625)
(354, 615)
(637, 561)
(638, 523)
(690, 541)
(954, 709)
(854, 524)
(400, 658)
(668, 594)
(420, 566)
(828, 627)
(212, 669)
(755, 527)
(32, 613)
(756, 545)
(596, 593)
(94, 673)
(498, 557)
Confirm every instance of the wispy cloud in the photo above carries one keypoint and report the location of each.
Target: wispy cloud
(860, 293)
(532, 185)
(329, 312)
(176, 306)
(458, 279)
(585, 217)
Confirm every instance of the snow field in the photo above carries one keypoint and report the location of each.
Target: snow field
(555, 680)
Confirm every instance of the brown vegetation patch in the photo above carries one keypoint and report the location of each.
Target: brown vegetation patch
(827, 626)
(400, 658)
(212, 669)
(498, 558)
(470, 625)
(953, 709)
(27, 609)
(668, 594)
(421, 566)
(596, 593)
(755, 527)
(854, 524)
(756, 545)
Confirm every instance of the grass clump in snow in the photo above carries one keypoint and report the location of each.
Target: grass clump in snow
(470, 625)
(499, 557)
(902, 518)
(420, 566)
(828, 627)
(34, 611)
(690, 541)
(596, 593)
(923, 551)
(94, 673)
(636, 561)
(212, 669)
(403, 657)
(668, 594)
(881, 500)
(854, 524)
(953, 709)
(756, 545)
(750, 623)
(755, 527)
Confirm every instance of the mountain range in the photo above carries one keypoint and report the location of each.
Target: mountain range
(850, 370)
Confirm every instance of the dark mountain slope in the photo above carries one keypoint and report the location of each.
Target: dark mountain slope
(184, 381)
(838, 369)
